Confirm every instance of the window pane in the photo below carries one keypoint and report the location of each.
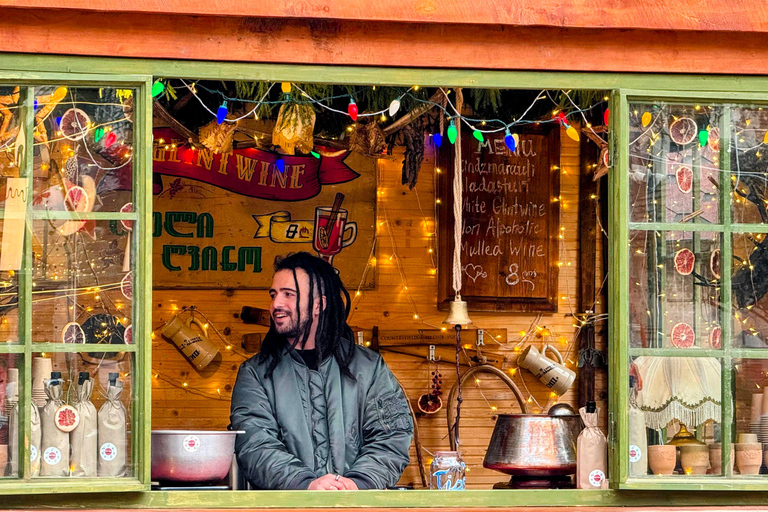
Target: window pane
(674, 163)
(13, 204)
(83, 148)
(674, 295)
(748, 431)
(10, 449)
(82, 282)
(83, 402)
(674, 416)
(749, 175)
(749, 284)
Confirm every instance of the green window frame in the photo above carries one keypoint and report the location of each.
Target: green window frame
(34, 69)
(142, 287)
(620, 279)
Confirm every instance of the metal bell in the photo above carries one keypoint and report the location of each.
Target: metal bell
(457, 313)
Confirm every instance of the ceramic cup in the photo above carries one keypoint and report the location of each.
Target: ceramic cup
(41, 369)
(757, 407)
(715, 458)
(746, 438)
(662, 458)
(749, 456)
(694, 459)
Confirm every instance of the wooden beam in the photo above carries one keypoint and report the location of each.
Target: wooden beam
(339, 43)
(587, 263)
(685, 15)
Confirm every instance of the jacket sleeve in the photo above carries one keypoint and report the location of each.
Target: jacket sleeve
(261, 455)
(387, 433)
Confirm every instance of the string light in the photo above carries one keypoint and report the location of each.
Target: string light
(221, 113)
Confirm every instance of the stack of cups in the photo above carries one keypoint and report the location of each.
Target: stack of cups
(11, 390)
(41, 369)
(763, 434)
(754, 420)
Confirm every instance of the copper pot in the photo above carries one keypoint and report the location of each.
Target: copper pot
(534, 444)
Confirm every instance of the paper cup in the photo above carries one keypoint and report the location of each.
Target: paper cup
(41, 369)
(757, 406)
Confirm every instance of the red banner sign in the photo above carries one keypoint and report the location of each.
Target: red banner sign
(251, 172)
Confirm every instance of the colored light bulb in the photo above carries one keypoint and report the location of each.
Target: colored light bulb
(280, 164)
(438, 139)
(561, 117)
(221, 114)
(394, 107)
(510, 141)
(110, 139)
(646, 119)
(157, 88)
(34, 107)
(703, 137)
(285, 87)
(315, 154)
(98, 134)
(452, 133)
(478, 135)
(606, 116)
(352, 109)
(572, 133)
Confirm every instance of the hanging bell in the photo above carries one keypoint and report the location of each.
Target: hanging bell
(458, 313)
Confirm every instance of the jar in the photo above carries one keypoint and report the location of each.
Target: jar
(447, 472)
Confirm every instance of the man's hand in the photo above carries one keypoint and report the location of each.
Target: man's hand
(331, 482)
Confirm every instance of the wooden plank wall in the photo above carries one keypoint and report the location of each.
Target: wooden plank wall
(406, 224)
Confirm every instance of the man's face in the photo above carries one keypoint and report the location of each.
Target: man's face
(283, 308)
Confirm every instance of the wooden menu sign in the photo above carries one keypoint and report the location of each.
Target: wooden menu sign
(510, 208)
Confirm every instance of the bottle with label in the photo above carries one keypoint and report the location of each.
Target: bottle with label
(83, 438)
(638, 435)
(112, 431)
(55, 426)
(591, 451)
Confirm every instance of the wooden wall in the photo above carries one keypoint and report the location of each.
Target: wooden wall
(411, 228)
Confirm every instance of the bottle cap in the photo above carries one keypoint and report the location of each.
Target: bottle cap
(591, 406)
(84, 376)
(113, 378)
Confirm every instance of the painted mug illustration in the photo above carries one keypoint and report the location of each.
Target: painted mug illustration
(332, 232)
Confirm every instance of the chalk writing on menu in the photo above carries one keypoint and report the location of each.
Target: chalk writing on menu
(510, 214)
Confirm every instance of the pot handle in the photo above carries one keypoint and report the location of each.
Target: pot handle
(553, 350)
(203, 327)
(483, 368)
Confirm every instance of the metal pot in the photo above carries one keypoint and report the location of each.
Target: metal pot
(192, 455)
(534, 444)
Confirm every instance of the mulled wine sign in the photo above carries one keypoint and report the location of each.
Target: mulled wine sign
(510, 208)
(220, 220)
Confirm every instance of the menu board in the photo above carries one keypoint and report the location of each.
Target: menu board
(510, 208)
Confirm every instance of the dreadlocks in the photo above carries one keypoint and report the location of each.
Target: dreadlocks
(333, 335)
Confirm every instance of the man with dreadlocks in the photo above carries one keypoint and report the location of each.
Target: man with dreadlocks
(318, 411)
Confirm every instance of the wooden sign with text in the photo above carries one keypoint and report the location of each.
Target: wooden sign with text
(510, 208)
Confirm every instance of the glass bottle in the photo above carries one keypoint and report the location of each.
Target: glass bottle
(447, 472)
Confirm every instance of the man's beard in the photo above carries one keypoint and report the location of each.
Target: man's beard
(293, 330)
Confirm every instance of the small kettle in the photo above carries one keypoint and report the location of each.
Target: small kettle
(196, 347)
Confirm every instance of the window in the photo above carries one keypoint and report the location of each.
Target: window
(691, 195)
(72, 289)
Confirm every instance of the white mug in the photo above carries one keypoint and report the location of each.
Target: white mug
(552, 374)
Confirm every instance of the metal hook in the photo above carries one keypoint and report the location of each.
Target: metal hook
(480, 337)
(431, 356)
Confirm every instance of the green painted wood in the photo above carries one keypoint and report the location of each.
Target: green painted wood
(675, 226)
(30, 67)
(619, 289)
(81, 347)
(142, 312)
(8, 348)
(71, 79)
(67, 215)
(726, 409)
(677, 352)
(25, 288)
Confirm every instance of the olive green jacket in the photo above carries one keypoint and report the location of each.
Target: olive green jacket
(301, 424)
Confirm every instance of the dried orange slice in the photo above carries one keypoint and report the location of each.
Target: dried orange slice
(684, 179)
(715, 337)
(72, 333)
(683, 131)
(714, 139)
(682, 335)
(429, 403)
(74, 124)
(128, 335)
(684, 260)
(126, 286)
(77, 199)
(714, 263)
(127, 224)
(67, 418)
